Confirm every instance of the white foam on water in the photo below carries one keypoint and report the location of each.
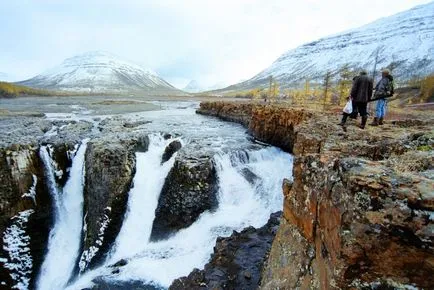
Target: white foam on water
(64, 239)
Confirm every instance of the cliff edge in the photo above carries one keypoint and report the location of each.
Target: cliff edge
(360, 211)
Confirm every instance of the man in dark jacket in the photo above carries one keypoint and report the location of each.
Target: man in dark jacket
(383, 90)
(361, 94)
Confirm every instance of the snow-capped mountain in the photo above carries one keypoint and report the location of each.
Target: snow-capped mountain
(99, 72)
(194, 87)
(403, 42)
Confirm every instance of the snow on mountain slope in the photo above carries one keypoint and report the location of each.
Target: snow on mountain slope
(99, 72)
(193, 87)
(404, 42)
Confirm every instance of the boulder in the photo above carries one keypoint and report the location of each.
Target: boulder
(189, 189)
(171, 149)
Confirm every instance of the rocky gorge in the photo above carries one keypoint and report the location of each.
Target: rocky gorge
(359, 212)
(75, 181)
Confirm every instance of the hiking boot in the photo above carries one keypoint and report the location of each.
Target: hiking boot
(375, 122)
(363, 124)
(380, 121)
(344, 120)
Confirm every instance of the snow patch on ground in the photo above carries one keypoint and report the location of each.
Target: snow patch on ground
(90, 253)
(16, 244)
(32, 191)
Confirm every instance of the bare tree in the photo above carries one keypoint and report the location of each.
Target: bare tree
(326, 85)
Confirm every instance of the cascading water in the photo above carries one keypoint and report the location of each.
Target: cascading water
(64, 240)
(242, 203)
(143, 199)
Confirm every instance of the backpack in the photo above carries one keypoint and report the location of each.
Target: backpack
(391, 87)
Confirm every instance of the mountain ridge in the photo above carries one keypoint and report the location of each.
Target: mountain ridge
(98, 72)
(403, 41)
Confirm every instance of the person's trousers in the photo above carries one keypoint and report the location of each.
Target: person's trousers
(362, 108)
(381, 108)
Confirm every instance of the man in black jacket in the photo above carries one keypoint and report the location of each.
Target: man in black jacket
(361, 94)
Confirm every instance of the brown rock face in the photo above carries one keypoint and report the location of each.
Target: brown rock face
(359, 212)
(110, 167)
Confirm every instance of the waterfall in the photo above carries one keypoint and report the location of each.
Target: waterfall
(64, 239)
(143, 198)
(242, 202)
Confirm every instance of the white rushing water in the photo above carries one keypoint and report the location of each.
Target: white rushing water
(64, 239)
(241, 204)
(143, 199)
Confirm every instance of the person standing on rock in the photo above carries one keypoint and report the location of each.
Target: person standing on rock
(361, 94)
(383, 90)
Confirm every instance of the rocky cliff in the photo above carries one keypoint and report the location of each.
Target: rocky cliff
(26, 213)
(359, 213)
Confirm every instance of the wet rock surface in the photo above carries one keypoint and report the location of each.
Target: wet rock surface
(237, 260)
(110, 167)
(171, 149)
(189, 189)
(359, 212)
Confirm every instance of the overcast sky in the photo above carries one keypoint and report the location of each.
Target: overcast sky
(208, 41)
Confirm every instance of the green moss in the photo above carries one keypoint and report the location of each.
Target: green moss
(424, 148)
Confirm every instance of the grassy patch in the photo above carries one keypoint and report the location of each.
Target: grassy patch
(10, 90)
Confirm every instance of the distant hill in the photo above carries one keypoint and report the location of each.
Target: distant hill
(403, 42)
(100, 73)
